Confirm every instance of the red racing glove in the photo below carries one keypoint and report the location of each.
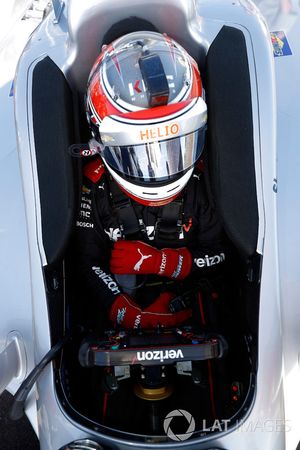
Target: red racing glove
(136, 257)
(125, 312)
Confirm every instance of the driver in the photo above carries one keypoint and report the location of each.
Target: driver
(147, 227)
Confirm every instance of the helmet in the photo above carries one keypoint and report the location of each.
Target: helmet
(145, 109)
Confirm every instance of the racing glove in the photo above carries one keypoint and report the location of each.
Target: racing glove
(126, 313)
(136, 257)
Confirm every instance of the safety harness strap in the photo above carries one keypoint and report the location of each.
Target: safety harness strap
(169, 221)
(170, 217)
(130, 225)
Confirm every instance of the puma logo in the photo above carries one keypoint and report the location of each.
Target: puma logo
(140, 261)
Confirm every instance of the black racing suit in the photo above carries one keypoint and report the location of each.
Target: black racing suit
(193, 223)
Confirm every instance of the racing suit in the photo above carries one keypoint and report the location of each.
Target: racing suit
(100, 223)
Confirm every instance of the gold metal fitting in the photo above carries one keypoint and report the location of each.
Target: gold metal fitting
(153, 394)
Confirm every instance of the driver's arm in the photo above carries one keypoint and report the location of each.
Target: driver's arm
(93, 255)
(93, 250)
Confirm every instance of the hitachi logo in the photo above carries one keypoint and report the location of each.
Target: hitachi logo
(159, 355)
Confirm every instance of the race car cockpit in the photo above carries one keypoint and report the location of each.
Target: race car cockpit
(125, 382)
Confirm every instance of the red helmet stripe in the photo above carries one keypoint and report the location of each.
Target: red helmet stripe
(156, 112)
(99, 103)
(170, 43)
(196, 90)
(115, 60)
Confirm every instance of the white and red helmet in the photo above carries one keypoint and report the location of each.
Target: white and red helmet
(145, 109)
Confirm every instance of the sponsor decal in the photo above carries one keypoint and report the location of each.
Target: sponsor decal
(107, 279)
(85, 214)
(188, 226)
(107, 138)
(85, 206)
(99, 169)
(280, 44)
(140, 261)
(84, 224)
(85, 211)
(176, 273)
(85, 190)
(159, 355)
(150, 232)
(209, 261)
(89, 152)
(120, 315)
(159, 132)
(86, 200)
(94, 170)
(137, 321)
(114, 234)
(163, 263)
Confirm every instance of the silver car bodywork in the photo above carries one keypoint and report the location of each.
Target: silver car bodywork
(70, 39)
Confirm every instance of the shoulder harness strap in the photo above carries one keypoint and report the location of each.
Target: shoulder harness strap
(170, 218)
(131, 226)
(169, 221)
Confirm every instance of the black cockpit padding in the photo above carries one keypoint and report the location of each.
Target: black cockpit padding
(53, 126)
(125, 26)
(230, 138)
